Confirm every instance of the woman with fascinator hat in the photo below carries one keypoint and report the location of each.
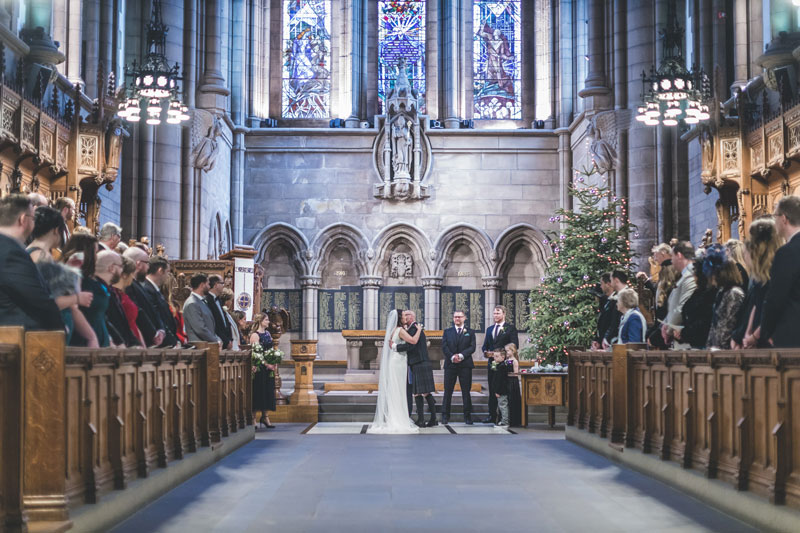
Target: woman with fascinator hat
(724, 275)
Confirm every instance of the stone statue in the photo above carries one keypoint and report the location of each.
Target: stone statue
(401, 146)
(206, 152)
(603, 154)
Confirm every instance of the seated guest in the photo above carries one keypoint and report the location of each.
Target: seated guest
(110, 235)
(696, 313)
(724, 275)
(515, 413)
(226, 299)
(24, 297)
(682, 257)
(760, 251)
(222, 328)
(197, 316)
(781, 314)
(129, 308)
(736, 250)
(632, 326)
(63, 281)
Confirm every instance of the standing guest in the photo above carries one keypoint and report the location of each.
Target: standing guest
(500, 386)
(38, 200)
(264, 378)
(668, 277)
(222, 327)
(240, 319)
(175, 311)
(198, 320)
(662, 257)
(736, 250)
(129, 308)
(96, 281)
(682, 257)
(760, 251)
(514, 398)
(108, 271)
(632, 326)
(724, 276)
(608, 311)
(63, 281)
(121, 247)
(697, 312)
(147, 319)
(498, 335)
(157, 274)
(24, 297)
(458, 345)
(110, 236)
(619, 281)
(226, 299)
(781, 314)
(66, 206)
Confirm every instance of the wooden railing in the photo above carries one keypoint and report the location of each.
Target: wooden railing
(733, 415)
(76, 423)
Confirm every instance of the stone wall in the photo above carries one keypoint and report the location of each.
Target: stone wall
(309, 207)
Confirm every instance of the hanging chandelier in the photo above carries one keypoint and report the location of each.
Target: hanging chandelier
(673, 94)
(154, 82)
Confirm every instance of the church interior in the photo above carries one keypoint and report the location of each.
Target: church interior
(329, 161)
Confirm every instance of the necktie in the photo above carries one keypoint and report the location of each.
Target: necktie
(458, 331)
(496, 327)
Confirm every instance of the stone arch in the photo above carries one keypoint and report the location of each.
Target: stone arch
(514, 237)
(217, 238)
(412, 236)
(286, 235)
(472, 236)
(337, 235)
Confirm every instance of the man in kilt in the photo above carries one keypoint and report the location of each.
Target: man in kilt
(422, 385)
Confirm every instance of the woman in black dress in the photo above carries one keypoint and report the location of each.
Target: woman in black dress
(264, 378)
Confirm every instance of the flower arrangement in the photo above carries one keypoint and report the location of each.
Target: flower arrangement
(262, 357)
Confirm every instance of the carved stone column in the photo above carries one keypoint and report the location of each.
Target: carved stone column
(595, 83)
(449, 54)
(370, 286)
(433, 288)
(358, 64)
(491, 285)
(310, 286)
(213, 92)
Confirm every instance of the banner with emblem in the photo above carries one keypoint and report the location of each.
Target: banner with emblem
(243, 280)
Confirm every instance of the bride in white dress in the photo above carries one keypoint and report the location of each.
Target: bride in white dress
(391, 414)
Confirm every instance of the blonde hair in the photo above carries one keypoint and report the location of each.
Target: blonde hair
(667, 279)
(628, 298)
(736, 252)
(764, 241)
(513, 349)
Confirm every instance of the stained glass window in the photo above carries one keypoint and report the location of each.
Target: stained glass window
(497, 59)
(306, 59)
(401, 33)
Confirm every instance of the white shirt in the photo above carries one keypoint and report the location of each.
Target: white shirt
(154, 285)
(497, 327)
(459, 331)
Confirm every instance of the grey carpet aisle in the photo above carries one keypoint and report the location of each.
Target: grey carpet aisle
(531, 481)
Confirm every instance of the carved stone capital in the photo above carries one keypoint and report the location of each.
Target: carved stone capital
(371, 282)
(492, 282)
(354, 344)
(310, 282)
(432, 282)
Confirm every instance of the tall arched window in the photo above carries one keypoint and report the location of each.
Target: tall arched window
(306, 88)
(497, 59)
(401, 33)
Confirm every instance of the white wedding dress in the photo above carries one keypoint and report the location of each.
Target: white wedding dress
(391, 414)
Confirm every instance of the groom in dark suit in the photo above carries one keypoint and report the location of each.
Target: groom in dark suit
(497, 336)
(458, 345)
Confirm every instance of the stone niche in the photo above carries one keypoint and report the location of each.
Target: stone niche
(340, 268)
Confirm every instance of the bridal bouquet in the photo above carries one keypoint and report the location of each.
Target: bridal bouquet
(262, 357)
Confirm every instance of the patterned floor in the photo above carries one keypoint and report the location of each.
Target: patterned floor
(354, 428)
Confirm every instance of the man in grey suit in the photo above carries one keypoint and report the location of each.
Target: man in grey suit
(197, 318)
(682, 257)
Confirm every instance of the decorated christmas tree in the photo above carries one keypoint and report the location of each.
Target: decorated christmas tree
(594, 238)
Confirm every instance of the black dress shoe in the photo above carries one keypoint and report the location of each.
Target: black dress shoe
(431, 423)
(445, 420)
(468, 420)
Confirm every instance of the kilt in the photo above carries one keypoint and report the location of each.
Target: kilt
(422, 378)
